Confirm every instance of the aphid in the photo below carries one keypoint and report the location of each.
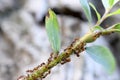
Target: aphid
(82, 44)
(50, 58)
(46, 74)
(63, 62)
(76, 39)
(77, 51)
(48, 62)
(71, 45)
(69, 48)
(30, 71)
(68, 59)
(97, 34)
(65, 49)
(41, 65)
(83, 48)
(21, 77)
(36, 68)
(51, 55)
(77, 54)
(74, 42)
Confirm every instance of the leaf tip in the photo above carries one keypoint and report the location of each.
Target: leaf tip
(48, 13)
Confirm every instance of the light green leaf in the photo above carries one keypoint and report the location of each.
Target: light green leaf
(103, 56)
(114, 13)
(106, 4)
(109, 3)
(53, 31)
(97, 13)
(86, 8)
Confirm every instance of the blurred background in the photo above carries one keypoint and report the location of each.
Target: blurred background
(24, 43)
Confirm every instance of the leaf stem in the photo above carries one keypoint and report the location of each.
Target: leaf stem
(103, 17)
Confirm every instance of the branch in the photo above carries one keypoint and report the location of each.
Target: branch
(76, 47)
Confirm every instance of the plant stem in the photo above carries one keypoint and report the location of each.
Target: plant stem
(76, 47)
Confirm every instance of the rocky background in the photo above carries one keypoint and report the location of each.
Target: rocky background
(24, 43)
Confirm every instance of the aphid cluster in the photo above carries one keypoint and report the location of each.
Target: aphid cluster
(77, 46)
(31, 71)
(52, 56)
(67, 52)
(36, 68)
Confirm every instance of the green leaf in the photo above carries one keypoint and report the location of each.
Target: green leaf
(114, 13)
(103, 56)
(86, 8)
(106, 4)
(115, 28)
(97, 13)
(53, 31)
(115, 1)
